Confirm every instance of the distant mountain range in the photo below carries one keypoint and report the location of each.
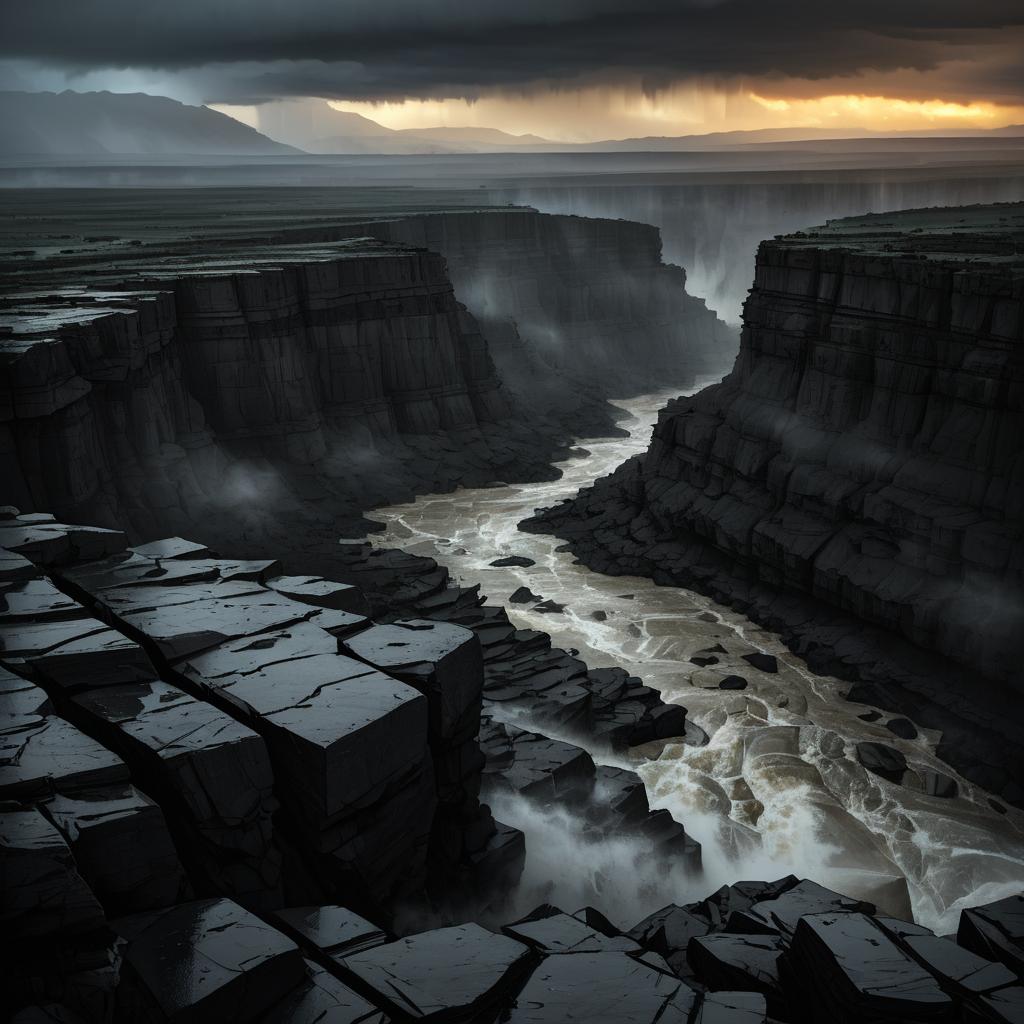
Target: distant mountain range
(136, 124)
(131, 124)
(341, 131)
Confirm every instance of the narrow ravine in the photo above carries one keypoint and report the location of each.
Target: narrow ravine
(779, 787)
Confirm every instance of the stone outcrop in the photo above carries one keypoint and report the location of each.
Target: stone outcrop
(589, 299)
(236, 837)
(858, 474)
(316, 373)
(187, 741)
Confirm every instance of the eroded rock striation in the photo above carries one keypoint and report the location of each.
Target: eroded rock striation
(193, 746)
(303, 377)
(859, 472)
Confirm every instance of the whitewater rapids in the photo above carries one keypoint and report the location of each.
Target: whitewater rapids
(777, 789)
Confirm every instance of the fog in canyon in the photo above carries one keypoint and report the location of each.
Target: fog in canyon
(777, 789)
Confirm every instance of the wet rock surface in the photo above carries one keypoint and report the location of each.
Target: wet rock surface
(824, 488)
(163, 801)
(265, 746)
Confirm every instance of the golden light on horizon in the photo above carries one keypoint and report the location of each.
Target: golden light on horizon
(605, 112)
(882, 111)
(608, 113)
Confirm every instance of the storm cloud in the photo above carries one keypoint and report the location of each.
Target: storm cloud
(252, 50)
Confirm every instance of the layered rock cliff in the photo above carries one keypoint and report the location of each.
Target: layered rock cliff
(305, 377)
(590, 298)
(863, 458)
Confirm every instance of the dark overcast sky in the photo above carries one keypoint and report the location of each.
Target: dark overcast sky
(250, 50)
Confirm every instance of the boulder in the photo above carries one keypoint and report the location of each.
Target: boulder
(43, 895)
(601, 986)
(448, 974)
(548, 930)
(842, 967)
(885, 761)
(336, 931)
(323, 999)
(780, 914)
(204, 961)
(122, 848)
(732, 1008)
(995, 931)
(740, 963)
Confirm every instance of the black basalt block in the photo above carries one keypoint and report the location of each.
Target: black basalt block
(204, 961)
(1003, 1007)
(441, 660)
(548, 930)
(44, 896)
(996, 932)
(742, 963)
(602, 988)
(336, 931)
(958, 969)
(781, 914)
(447, 974)
(42, 754)
(122, 848)
(843, 968)
(732, 1008)
(323, 999)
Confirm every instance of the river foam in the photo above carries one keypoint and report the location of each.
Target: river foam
(777, 789)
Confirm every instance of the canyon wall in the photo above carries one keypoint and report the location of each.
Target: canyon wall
(863, 456)
(305, 377)
(590, 297)
(713, 227)
(185, 394)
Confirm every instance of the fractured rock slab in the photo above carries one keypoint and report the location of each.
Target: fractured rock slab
(996, 931)
(849, 971)
(211, 773)
(446, 974)
(204, 961)
(548, 930)
(781, 914)
(340, 732)
(441, 660)
(41, 892)
(732, 1008)
(122, 847)
(41, 754)
(323, 999)
(608, 986)
(336, 931)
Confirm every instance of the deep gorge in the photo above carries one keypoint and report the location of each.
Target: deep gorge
(305, 734)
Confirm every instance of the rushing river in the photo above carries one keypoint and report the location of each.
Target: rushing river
(778, 788)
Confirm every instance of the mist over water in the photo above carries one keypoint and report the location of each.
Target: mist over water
(713, 230)
(777, 789)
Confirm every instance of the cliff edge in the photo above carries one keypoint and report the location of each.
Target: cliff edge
(861, 465)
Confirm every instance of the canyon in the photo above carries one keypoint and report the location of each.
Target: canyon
(316, 369)
(862, 457)
(335, 768)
